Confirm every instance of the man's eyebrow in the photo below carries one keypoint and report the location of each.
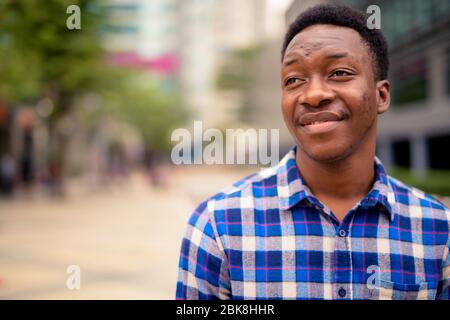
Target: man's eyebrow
(338, 55)
(288, 61)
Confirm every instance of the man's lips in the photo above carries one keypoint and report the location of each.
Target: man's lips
(320, 122)
(319, 117)
(321, 127)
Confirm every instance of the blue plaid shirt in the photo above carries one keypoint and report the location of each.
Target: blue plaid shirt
(269, 237)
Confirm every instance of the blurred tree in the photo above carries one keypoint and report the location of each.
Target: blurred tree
(141, 103)
(236, 74)
(42, 58)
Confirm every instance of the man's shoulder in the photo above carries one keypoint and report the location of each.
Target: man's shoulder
(248, 186)
(420, 203)
(238, 194)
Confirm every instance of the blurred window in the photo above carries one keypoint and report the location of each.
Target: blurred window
(438, 158)
(123, 7)
(448, 70)
(401, 151)
(409, 80)
(404, 20)
(120, 28)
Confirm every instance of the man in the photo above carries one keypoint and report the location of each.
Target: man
(327, 222)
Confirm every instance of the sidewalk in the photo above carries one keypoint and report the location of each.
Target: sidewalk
(126, 240)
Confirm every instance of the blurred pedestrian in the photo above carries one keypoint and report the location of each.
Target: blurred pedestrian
(7, 174)
(26, 160)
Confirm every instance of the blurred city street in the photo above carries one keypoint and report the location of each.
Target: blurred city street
(126, 239)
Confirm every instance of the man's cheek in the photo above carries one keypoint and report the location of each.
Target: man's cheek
(288, 112)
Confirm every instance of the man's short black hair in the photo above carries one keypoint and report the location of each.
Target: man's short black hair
(344, 16)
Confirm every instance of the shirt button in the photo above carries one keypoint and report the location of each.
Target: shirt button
(342, 292)
(342, 233)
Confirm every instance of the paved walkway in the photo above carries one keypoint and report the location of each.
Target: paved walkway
(125, 240)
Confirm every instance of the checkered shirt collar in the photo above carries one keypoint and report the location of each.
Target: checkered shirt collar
(292, 188)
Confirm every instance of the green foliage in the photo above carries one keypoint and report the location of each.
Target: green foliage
(436, 182)
(236, 73)
(410, 90)
(41, 56)
(141, 103)
(19, 81)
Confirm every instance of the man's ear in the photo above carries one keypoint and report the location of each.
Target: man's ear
(383, 96)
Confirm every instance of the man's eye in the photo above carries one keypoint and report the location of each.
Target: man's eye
(291, 81)
(340, 73)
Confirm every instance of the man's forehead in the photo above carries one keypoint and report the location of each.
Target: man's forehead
(316, 37)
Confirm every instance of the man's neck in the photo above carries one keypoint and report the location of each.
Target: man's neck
(344, 180)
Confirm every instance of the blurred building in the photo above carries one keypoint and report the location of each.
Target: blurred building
(297, 6)
(209, 31)
(144, 34)
(415, 133)
(265, 92)
(185, 43)
(144, 27)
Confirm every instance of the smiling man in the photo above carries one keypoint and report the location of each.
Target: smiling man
(327, 222)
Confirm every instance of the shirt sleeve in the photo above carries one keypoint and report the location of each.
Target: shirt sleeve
(203, 266)
(443, 292)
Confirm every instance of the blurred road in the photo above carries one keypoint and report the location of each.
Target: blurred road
(125, 239)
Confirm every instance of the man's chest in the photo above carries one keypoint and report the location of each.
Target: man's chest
(312, 258)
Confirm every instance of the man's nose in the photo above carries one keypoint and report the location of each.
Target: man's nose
(316, 94)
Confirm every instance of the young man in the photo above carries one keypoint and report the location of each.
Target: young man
(327, 222)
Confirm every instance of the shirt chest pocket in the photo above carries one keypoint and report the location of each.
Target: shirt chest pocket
(386, 290)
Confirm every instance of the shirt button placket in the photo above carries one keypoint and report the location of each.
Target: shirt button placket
(342, 264)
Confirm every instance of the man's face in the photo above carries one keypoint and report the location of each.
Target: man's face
(330, 99)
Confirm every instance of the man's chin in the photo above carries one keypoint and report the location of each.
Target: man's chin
(326, 155)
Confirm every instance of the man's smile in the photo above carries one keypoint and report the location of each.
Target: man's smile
(320, 122)
(321, 126)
